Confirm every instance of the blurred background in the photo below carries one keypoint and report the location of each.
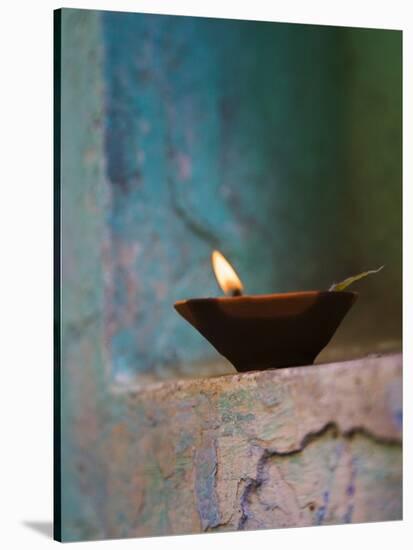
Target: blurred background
(278, 144)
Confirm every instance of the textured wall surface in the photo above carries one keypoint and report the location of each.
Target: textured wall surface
(83, 199)
(279, 144)
(302, 446)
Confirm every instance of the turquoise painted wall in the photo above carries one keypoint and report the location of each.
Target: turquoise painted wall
(279, 144)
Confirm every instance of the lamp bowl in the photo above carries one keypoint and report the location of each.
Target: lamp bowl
(268, 331)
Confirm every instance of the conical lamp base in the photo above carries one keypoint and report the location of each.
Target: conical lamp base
(268, 331)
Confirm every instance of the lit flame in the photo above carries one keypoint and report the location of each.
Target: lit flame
(227, 279)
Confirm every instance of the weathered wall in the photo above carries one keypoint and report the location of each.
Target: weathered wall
(294, 447)
(156, 461)
(83, 199)
(280, 144)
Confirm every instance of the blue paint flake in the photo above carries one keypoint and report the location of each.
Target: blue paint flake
(321, 512)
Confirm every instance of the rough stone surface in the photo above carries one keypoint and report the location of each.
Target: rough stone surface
(292, 447)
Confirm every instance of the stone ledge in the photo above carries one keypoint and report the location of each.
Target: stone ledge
(288, 447)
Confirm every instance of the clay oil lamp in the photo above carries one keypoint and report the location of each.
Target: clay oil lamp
(270, 330)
